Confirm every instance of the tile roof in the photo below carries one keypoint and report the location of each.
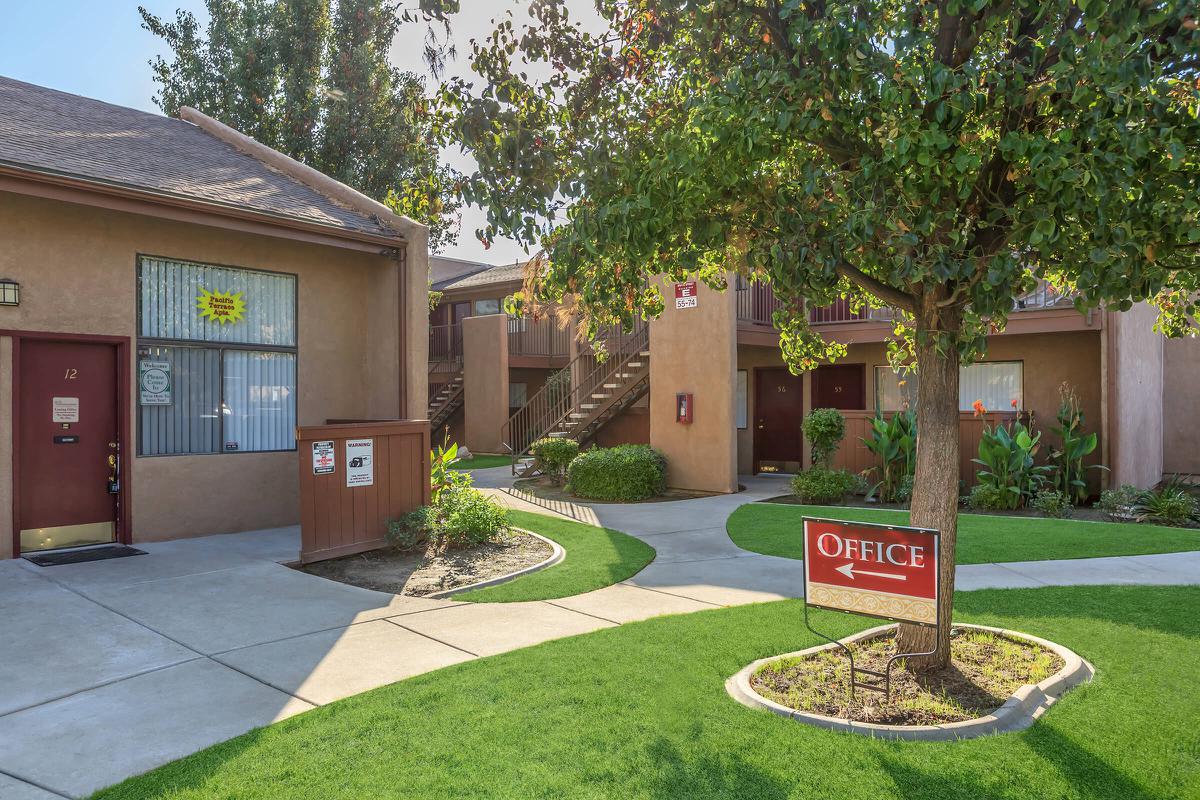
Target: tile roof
(502, 273)
(45, 130)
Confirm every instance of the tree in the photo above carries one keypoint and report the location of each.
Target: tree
(311, 79)
(934, 157)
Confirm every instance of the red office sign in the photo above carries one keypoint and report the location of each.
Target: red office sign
(876, 570)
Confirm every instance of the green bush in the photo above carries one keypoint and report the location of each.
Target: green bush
(469, 518)
(822, 486)
(824, 428)
(411, 529)
(894, 442)
(1053, 503)
(988, 497)
(1119, 504)
(904, 491)
(1007, 453)
(1172, 504)
(626, 473)
(555, 455)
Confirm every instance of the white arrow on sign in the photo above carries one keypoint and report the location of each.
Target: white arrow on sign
(849, 571)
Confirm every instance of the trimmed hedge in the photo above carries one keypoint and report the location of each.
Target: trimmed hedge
(555, 455)
(626, 473)
(821, 486)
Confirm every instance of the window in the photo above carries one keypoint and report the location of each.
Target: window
(217, 359)
(894, 392)
(517, 394)
(739, 403)
(487, 307)
(996, 383)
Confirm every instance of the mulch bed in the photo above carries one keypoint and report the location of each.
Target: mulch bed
(547, 488)
(985, 670)
(421, 572)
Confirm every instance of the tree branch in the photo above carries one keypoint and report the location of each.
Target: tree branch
(888, 294)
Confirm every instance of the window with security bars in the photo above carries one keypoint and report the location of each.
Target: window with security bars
(217, 359)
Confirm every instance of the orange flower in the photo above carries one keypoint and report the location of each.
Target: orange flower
(1014, 403)
(979, 409)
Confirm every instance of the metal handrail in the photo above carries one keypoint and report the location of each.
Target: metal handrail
(537, 337)
(566, 389)
(445, 349)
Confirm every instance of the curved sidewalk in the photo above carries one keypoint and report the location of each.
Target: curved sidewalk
(114, 667)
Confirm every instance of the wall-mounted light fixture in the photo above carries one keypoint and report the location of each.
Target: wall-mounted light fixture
(10, 292)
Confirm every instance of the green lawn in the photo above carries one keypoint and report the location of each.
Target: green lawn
(596, 557)
(774, 529)
(640, 711)
(483, 461)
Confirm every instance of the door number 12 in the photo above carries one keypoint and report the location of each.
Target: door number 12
(71, 374)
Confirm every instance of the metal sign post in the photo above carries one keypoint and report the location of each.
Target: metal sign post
(886, 571)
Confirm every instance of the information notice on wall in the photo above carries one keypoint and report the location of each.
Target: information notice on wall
(359, 455)
(154, 383)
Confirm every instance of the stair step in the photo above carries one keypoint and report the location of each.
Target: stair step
(601, 396)
(644, 354)
(589, 406)
(577, 415)
(634, 364)
(556, 434)
(611, 386)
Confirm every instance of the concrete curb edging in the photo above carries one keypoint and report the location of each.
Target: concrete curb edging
(1018, 712)
(555, 557)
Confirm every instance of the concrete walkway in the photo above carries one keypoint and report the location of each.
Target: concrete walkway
(111, 668)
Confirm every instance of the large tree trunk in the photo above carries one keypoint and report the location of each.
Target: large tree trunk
(935, 485)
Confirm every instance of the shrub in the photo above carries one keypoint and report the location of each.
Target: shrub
(824, 428)
(1053, 503)
(987, 497)
(860, 483)
(411, 529)
(1119, 504)
(1173, 504)
(894, 442)
(627, 472)
(1067, 459)
(1006, 455)
(555, 455)
(904, 491)
(469, 517)
(822, 486)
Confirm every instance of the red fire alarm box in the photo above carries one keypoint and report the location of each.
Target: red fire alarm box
(683, 408)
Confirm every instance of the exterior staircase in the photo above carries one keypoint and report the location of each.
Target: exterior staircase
(582, 397)
(444, 399)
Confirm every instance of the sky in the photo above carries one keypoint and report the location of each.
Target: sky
(97, 48)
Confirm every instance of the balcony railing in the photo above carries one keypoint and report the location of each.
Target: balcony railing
(537, 337)
(756, 303)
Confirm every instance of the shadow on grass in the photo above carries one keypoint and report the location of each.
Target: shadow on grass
(1088, 775)
(709, 774)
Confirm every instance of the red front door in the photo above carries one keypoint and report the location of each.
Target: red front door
(841, 386)
(778, 412)
(68, 430)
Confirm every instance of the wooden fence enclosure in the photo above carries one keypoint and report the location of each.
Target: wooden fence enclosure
(854, 456)
(354, 477)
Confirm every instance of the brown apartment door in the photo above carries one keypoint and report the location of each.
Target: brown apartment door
(68, 430)
(841, 386)
(778, 411)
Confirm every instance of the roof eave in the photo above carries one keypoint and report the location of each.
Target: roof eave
(23, 179)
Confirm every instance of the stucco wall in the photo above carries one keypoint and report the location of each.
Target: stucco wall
(695, 350)
(1181, 406)
(1049, 360)
(485, 381)
(1135, 369)
(77, 267)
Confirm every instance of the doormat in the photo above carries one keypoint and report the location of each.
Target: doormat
(81, 556)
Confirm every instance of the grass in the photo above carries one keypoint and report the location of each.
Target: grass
(774, 529)
(483, 461)
(640, 711)
(596, 557)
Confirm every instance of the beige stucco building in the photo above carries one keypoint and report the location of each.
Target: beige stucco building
(720, 350)
(182, 299)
